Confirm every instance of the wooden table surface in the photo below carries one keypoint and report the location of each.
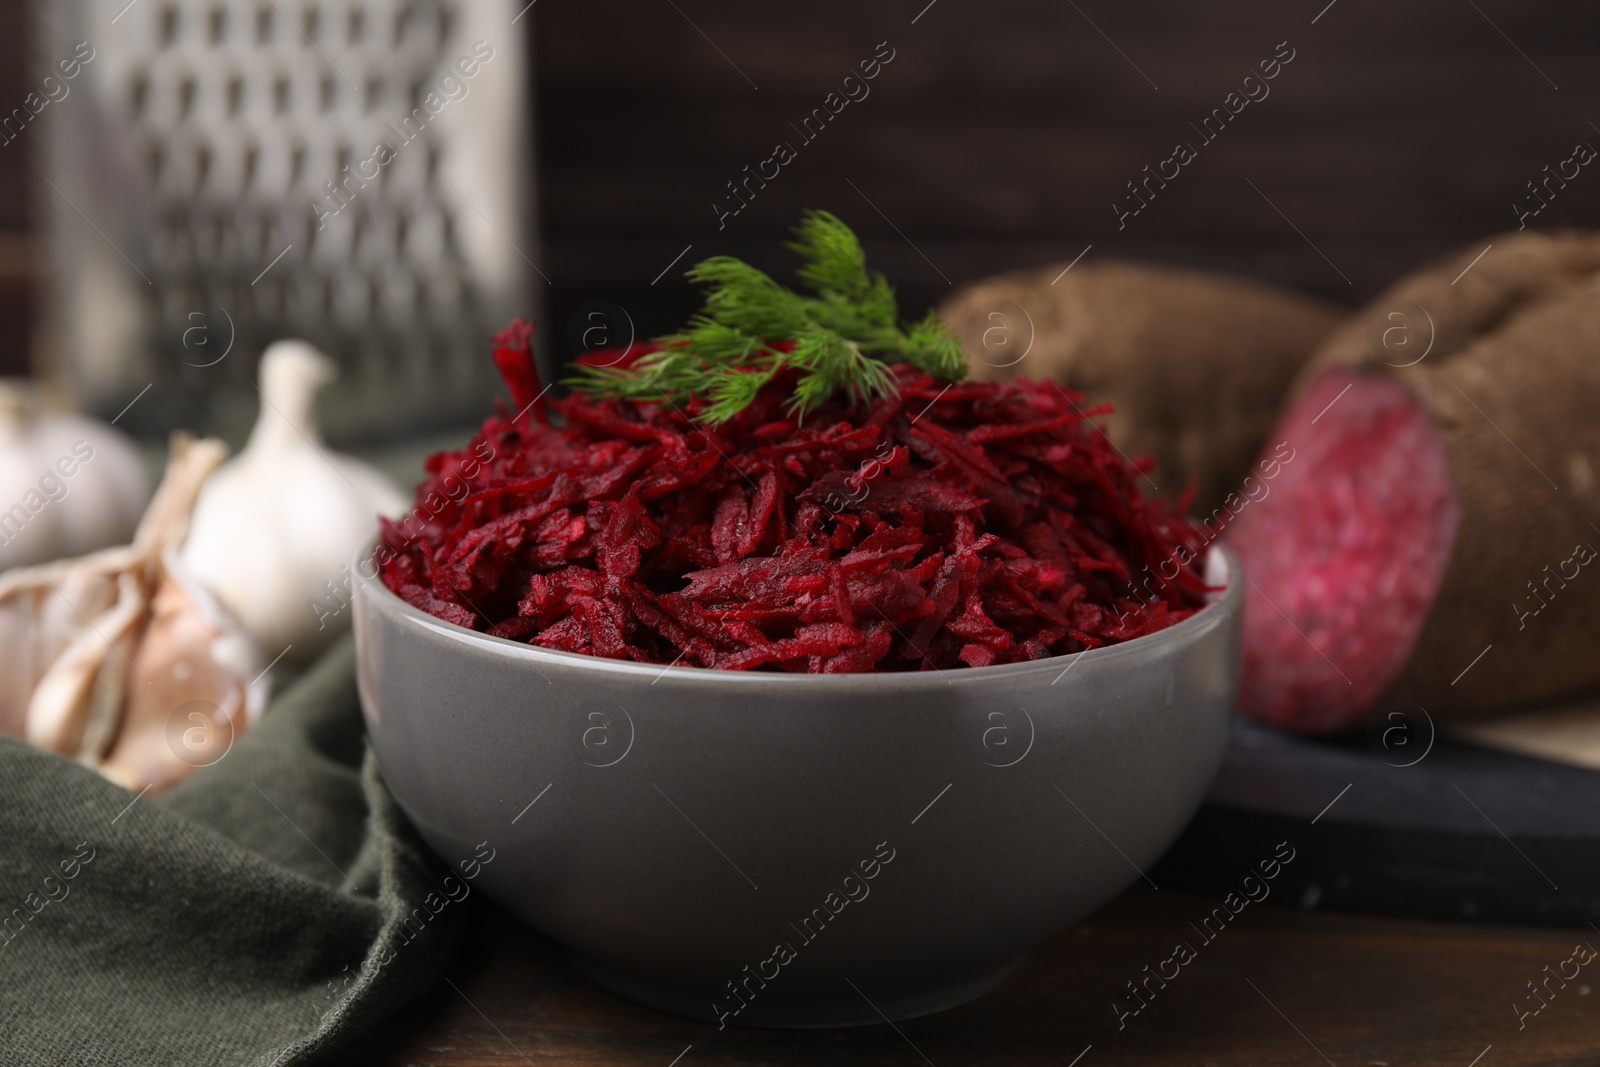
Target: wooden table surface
(1278, 986)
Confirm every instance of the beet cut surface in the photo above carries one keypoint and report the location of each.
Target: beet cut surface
(955, 524)
(1345, 556)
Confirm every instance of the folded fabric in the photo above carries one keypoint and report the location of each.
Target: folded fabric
(264, 912)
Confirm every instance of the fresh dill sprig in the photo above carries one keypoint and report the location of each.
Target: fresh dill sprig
(842, 338)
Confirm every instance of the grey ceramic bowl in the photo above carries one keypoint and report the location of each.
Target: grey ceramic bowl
(789, 850)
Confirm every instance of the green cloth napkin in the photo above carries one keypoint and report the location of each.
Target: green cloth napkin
(252, 915)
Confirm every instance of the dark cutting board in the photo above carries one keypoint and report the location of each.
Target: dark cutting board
(1460, 833)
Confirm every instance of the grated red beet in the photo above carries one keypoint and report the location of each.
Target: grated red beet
(956, 523)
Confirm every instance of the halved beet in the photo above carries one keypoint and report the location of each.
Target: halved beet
(1433, 538)
(1345, 549)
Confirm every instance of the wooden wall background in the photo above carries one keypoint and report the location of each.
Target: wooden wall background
(1003, 130)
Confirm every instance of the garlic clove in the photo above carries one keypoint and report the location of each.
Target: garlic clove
(280, 522)
(104, 711)
(59, 712)
(206, 687)
(41, 610)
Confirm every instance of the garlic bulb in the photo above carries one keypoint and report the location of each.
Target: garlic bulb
(68, 484)
(276, 528)
(102, 657)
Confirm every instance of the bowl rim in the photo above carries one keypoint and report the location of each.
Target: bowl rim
(1219, 606)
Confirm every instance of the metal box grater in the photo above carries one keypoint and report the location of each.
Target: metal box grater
(214, 181)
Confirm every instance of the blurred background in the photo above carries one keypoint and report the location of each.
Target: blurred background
(591, 159)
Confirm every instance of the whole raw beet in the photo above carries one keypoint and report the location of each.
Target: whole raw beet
(1197, 365)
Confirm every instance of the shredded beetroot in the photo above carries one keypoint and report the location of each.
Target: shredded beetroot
(954, 524)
